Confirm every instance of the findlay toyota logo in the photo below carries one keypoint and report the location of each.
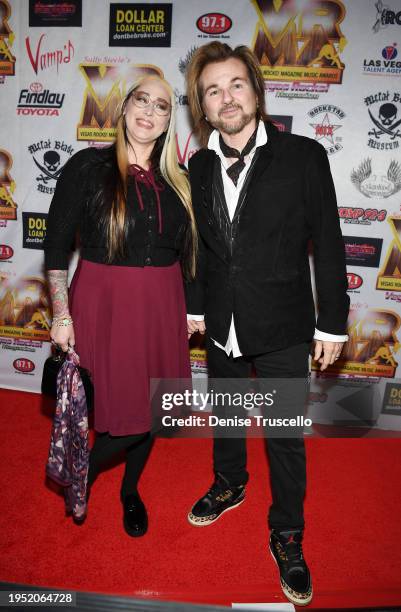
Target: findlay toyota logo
(383, 110)
(377, 185)
(39, 102)
(385, 17)
(387, 66)
(326, 123)
(47, 156)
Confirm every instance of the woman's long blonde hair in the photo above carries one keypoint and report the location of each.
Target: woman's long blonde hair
(165, 154)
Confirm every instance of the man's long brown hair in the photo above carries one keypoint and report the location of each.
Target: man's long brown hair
(219, 52)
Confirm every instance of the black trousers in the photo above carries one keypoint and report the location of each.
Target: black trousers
(137, 448)
(286, 455)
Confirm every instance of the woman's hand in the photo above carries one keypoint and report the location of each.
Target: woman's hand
(63, 336)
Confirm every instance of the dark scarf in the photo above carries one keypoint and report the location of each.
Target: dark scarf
(236, 168)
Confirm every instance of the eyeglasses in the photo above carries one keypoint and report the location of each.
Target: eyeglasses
(142, 100)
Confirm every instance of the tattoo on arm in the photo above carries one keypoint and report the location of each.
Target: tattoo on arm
(58, 292)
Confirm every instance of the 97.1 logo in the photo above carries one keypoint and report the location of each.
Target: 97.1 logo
(213, 25)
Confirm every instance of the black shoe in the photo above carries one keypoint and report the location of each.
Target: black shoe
(135, 516)
(286, 549)
(220, 498)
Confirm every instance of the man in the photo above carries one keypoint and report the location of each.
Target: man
(259, 196)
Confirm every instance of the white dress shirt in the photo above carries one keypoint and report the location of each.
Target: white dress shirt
(231, 193)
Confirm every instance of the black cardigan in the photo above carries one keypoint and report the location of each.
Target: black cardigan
(75, 208)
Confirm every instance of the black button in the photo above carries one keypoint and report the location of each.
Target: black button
(150, 231)
(148, 261)
(151, 217)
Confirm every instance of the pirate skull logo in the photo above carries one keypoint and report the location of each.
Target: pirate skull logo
(50, 168)
(387, 122)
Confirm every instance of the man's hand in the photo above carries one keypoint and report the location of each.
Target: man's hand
(195, 326)
(326, 352)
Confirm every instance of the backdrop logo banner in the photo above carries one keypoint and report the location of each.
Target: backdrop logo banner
(355, 281)
(45, 59)
(106, 87)
(47, 156)
(47, 13)
(372, 344)
(140, 25)
(377, 185)
(23, 365)
(361, 216)
(34, 230)
(7, 37)
(214, 25)
(363, 251)
(386, 17)
(383, 108)
(389, 277)
(326, 119)
(24, 309)
(392, 399)
(6, 252)
(8, 208)
(299, 42)
(38, 101)
(387, 66)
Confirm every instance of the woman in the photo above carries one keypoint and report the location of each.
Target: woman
(130, 204)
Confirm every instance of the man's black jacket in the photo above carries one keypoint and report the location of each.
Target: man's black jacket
(266, 282)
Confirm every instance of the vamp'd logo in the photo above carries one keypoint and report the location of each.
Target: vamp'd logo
(361, 216)
(387, 66)
(23, 365)
(385, 17)
(49, 157)
(383, 110)
(45, 59)
(326, 118)
(39, 102)
(389, 277)
(7, 37)
(106, 86)
(377, 185)
(372, 346)
(299, 41)
(8, 207)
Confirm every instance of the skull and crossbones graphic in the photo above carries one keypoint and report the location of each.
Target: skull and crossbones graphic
(50, 168)
(386, 123)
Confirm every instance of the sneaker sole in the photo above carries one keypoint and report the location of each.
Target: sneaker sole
(284, 587)
(205, 523)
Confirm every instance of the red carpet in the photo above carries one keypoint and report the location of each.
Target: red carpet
(352, 515)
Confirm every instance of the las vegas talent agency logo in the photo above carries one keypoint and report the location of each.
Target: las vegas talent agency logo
(386, 17)
(8, 207)
(296, 41)
(7, 37)
(39, 101)
(387, 66)
(372, 345)
(389, 277)
(361, 216)
(325, 124)
(42, 58)
(49, 157)
(377, 185)
(106, 86)
(383, 108)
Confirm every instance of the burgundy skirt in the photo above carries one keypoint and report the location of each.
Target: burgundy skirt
(130, 326)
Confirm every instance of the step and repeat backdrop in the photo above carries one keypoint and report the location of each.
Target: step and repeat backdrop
(332, 72)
